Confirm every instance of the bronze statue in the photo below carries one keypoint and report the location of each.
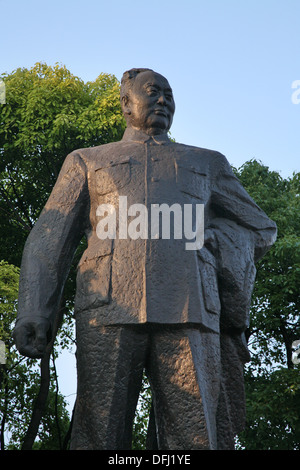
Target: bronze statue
(148, 301)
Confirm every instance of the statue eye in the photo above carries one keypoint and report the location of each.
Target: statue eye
(152, 91)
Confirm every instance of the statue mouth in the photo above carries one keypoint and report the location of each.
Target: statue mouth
(160, 112)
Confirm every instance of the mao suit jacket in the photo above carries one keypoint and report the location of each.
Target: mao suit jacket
(132, 280)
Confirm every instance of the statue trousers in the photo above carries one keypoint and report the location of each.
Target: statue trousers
(182, 364)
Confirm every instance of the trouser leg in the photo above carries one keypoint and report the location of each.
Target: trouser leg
(184, 372)
(231, 415)
(110, 363)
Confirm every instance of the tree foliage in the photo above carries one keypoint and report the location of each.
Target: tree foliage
(141, 421)
(19, 379)
(272, 378)
(48, 113)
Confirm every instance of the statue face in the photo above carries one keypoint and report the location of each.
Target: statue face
(150, 105)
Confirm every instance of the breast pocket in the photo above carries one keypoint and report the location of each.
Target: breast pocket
(112, 177)
(191, 179)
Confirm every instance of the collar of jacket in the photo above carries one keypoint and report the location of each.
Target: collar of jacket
(135, 135)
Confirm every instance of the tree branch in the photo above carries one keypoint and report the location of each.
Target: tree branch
(40, 402)
(288, 344)
(13, 212)
(56, 404)
(3, 421)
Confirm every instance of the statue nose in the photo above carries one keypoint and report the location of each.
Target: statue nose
(161, 100)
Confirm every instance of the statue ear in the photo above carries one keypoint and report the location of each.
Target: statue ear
(125, 105)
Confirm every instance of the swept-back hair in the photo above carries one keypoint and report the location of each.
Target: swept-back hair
(128, 80)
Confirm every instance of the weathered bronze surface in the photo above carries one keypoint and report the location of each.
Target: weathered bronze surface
(148, 303)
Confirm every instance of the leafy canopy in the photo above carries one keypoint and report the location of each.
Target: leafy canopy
(49, 112)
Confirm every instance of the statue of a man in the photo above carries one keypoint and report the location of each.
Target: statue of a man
(148, 299)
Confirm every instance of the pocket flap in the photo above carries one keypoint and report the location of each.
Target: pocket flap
(112, 176)
(121, 160)
(207, 257)
(191, 165)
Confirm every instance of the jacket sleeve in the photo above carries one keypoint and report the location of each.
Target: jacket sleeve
(51, 244)
(231, 201)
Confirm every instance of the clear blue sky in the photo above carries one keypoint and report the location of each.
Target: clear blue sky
(231, 64)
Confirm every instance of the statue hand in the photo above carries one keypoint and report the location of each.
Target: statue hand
(31, 335)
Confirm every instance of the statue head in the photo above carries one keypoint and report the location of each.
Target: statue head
(147, 101)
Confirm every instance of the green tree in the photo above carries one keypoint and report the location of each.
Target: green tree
(141, 421)
(48, 113)
(19, 379)
(272, 379)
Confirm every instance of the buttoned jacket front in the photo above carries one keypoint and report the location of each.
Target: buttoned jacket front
(126, 280)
